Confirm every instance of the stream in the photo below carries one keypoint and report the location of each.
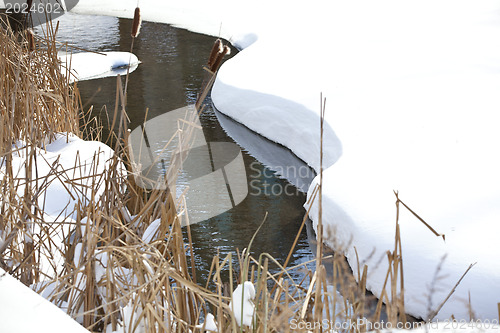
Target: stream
(169, 78)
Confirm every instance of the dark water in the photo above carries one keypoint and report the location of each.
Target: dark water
(170, 77)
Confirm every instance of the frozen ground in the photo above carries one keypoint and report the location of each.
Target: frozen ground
(412, 97)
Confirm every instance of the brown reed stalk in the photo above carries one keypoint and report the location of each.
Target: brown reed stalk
(420, 219)
(30, 36)
(436, 311)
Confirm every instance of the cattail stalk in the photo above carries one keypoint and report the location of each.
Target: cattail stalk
(30, 36)
(216, 49)
(136, 24)
(214, 60)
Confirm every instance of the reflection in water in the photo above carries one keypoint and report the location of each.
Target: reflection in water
(172, 152)
(169, 78)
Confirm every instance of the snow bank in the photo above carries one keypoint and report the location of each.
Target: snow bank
(210, 324)
(23, 310)
(241, 305)
(75, 30)
(413, 106)
(89, 65)
(277, 158)
(412, 100)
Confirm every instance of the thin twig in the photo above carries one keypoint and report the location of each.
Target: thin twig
(435, 312)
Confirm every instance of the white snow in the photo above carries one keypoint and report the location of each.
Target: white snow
(412, 90)
(241, 304)
(23, 310)
(131, 318)
(412, 100)
(282, 161)
(210, 324)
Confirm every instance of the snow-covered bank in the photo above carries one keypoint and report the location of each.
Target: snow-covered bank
(412, 101)
(216, 19)
(281, 160)
(414, 107)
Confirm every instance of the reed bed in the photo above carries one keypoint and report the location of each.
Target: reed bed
(117, 260)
